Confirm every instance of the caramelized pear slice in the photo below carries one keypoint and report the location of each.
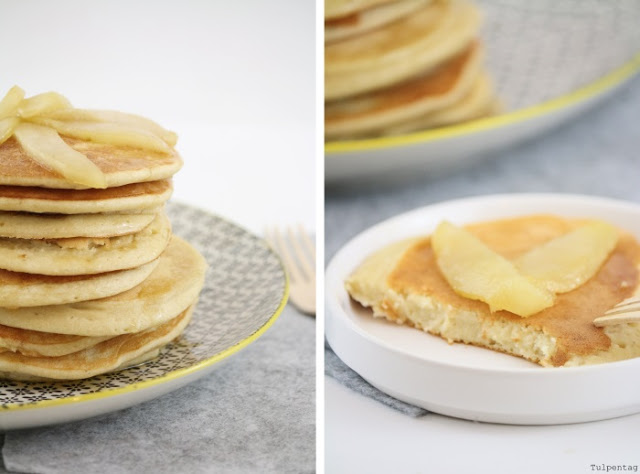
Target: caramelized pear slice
(42, 103)
(10, 102)
(475, 271)
(108, 133)
(568, 261)
(45, 146)
(7, 125)
(112, 116)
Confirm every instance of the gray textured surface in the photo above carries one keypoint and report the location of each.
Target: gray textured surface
(337, 369)
(597, 154)
(256, 413)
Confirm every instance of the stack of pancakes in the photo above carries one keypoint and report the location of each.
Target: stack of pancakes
(91, 280)
(397, 66)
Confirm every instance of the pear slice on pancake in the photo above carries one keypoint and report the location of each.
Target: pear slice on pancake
(376, 111)
(25, 225)
(83, 255)
(105, 356)
(121, 165)
(172, 286)
(128, 198)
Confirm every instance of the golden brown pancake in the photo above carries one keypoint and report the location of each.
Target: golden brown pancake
(86, 255)
(97, 359)
(479, 102)
(369, 19)
(404, 284)
(172, 286)
(27, 225)
(44, 344)
(26, 290)
(399, 50)
(376, 111)
(130, 197)
(342, 8)
(121, 165)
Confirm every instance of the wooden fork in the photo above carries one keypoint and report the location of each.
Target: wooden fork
(298, 255)
(627, 311)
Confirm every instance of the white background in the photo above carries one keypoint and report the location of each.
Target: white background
(234, 79)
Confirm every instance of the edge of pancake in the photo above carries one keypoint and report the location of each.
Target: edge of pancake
(44, 257)
(428, 53)
(18, 169)
(172, 286)
(336, 9)
(106, 356)
(23, 290)
(24, 225)
(478, 103)
(138, 197)
(369, 19)
(43, 344)
(371, 114)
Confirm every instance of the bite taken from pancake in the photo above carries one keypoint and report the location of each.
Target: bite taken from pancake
(529, 286)
(91, 278)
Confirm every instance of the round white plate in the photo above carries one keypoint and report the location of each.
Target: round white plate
(244, 292)
(465, 381)
(550, 61)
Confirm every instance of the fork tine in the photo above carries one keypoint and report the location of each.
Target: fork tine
(618, 318)
(627, 309)
(307, 242)
(281, 249)
(303, 260)
(626, 304)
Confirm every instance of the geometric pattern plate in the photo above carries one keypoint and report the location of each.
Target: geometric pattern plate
(245, 290)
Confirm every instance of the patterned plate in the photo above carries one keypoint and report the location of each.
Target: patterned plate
(244, 292)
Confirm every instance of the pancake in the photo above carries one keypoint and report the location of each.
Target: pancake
(86, 256)
(24, 225)
(121, 165)
(108, 355)
(131, 197)
(172, 286)
(341, 8)
(43, 344)
(429, 93)
(403, 284)
(369, 19)
(400, 50)
(477, 103)
(26, 290)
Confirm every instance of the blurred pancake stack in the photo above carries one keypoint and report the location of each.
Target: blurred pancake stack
(91, 278)
(398, 66)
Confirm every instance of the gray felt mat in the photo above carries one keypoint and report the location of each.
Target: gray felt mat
(335, 368)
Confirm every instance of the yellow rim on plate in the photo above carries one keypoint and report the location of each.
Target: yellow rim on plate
(612, 79)
(166, 378)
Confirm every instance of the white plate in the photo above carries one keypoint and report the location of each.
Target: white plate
(464, 381)
(245, 291)
(550, 60)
